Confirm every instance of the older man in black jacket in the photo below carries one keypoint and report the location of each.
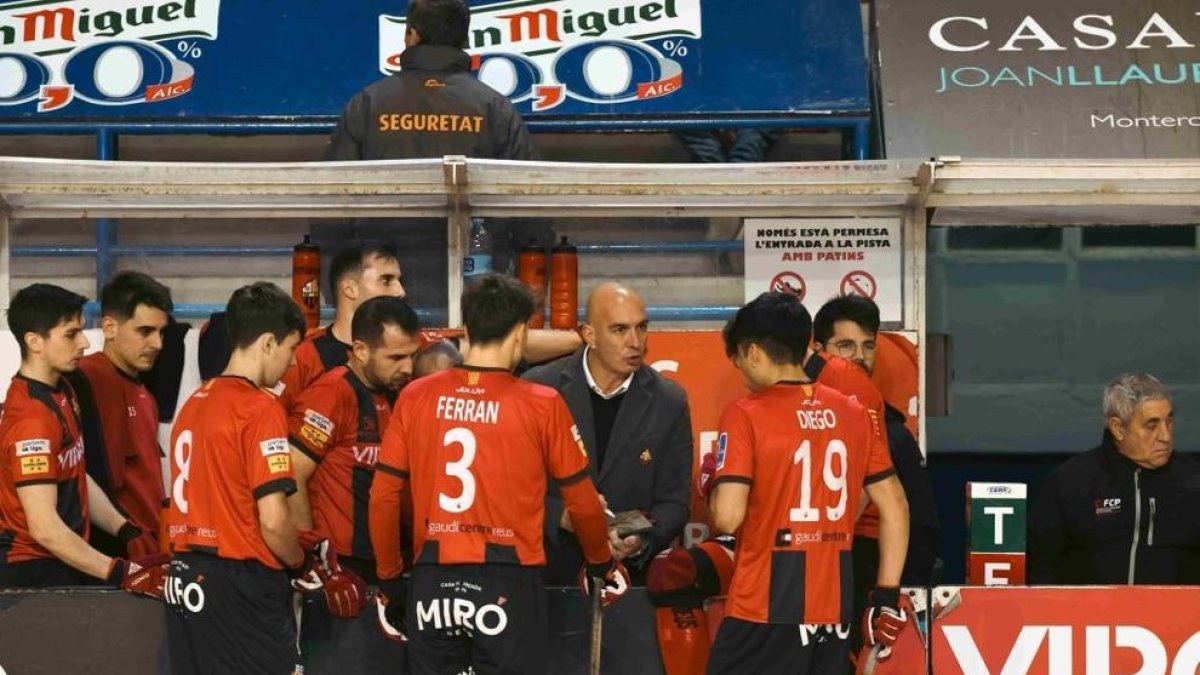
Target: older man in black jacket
(636, 426)
(1124, 512)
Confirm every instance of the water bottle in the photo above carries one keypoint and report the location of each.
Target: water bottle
(478, 260)
(531, 268)
(306, 280)
(564, 286)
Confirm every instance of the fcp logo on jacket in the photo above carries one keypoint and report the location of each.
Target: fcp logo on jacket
(1107, 507)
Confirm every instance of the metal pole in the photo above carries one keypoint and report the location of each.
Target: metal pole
(457, 228)
(5, 260)
(106, 228)
(916, 225)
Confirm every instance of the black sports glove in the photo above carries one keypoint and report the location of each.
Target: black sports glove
(391, 603)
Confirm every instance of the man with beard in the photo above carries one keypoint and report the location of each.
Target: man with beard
(336, 424)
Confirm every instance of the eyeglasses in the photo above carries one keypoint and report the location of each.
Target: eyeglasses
(848, 348)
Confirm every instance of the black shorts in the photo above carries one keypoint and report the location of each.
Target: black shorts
(229, 616)
(42, 573)
(749, 648)
(481, 619)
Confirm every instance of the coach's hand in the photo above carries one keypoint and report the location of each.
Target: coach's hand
(888, 611)
(345, 593)
(145, 575)
(138, 542)
(611, 575)
(391, 603)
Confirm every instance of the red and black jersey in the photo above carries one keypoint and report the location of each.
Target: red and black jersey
(120, 427)
(319, 353)
(806, 451)
(40, 443)
(338, 422)
(229, 449)
(850, 379)
(478, 446)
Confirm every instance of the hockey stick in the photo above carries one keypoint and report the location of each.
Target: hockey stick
(597, 625)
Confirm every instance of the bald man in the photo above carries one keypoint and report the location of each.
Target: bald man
(636, 427)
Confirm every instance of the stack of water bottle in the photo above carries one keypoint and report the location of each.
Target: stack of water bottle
(531, 268)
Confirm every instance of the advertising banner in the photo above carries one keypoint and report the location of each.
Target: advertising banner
(1060, 631)
(213, 59)
(822, 258)
(1028, 78)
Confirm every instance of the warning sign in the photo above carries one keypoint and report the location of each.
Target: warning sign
(789, 282)
(822, 258)
(859, 282)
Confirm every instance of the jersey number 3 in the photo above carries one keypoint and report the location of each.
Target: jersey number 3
(460, 469)
(835, 481)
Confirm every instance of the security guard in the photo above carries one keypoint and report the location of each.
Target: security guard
(433, 107)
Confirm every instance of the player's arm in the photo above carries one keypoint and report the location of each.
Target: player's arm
(729, 494)
(299, 504)
(387, 489)
(567, 463)
(888, 495)
(40, 504)
(546, 345)
(311, 430)
(278, 530)
(101, 510)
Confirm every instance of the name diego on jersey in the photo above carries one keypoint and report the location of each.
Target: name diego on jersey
(817, 420)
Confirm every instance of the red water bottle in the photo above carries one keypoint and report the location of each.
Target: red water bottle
(564, 286)
(531, 269)
(306, 280)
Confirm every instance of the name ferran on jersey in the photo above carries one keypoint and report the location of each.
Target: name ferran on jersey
(114, 53)
(547, 51)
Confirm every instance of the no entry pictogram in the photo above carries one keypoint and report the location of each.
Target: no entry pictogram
(789, 282)
(859, 282)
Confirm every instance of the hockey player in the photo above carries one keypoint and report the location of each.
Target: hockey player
(478, 446)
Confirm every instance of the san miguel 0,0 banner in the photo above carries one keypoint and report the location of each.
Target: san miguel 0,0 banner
(1066, 631)
(1029, 78)
(545, 52)
(113, 53)
(822, 258)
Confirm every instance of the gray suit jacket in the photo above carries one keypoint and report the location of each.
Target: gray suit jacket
(648, 463)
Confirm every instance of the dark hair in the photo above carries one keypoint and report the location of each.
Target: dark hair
(493, 305)
(120, 297)
(442, 349)
(371, 316)
(440, 22)
(777, 323)
(38, 308)
(350, 260)
(260, 308)
(856, 308)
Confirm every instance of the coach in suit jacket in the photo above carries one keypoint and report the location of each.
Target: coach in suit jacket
(636, 427)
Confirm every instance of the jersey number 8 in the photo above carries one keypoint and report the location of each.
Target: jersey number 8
(835, 481)
(183, 461)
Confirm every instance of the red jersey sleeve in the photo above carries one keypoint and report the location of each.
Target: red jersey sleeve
(567, 461)
(34, 443)
(879, 459)
(387, 488)
(566, 457)
(735, 447)
(268, 461)
(312, 424)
